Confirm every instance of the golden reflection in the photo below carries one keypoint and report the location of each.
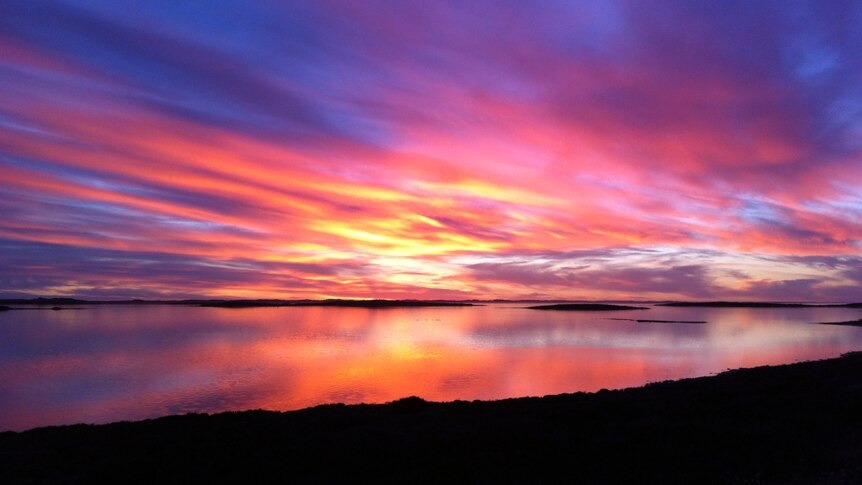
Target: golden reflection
(146, 364)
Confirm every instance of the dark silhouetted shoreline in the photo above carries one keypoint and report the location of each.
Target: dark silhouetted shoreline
(850, 323)
(333, 303)
(645, 320)
(53, 303)
(586, 307)
(757, 304)
(798, 423)
(18, 303)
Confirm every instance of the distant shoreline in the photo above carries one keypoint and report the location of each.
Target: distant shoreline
(585, 307)
(788, 423)
(757, 304)
(14, 303)
(334, 303)
(849, 323)
(60, 303)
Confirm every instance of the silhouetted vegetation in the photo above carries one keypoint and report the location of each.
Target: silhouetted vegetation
(4, 308)
(796, 423)
(586, 307)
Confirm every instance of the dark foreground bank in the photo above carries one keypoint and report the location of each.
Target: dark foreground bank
(798, 423)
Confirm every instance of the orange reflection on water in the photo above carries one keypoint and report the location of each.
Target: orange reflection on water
(130, 362)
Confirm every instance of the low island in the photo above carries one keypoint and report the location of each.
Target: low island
(586, 307)
(647, 320)
(850, 323)
(757, 304)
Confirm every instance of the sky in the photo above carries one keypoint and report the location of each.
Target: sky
(434, 150)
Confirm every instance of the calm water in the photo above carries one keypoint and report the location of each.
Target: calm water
(110, 363)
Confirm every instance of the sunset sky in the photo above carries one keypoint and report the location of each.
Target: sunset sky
(428, 149)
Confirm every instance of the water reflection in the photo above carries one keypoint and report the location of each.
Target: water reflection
(109, 363)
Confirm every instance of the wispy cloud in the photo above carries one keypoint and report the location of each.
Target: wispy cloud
(437, 150)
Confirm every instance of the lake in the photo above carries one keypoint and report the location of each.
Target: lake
(127, 362)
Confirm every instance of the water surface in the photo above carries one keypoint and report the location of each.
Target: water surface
(127, 362)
